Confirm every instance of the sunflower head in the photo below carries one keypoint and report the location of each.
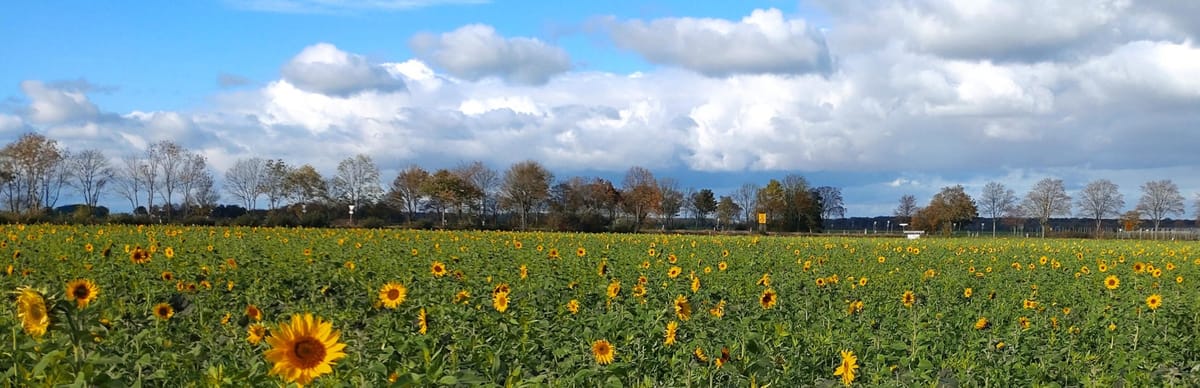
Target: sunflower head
(255, 333)
(603, 351)
(164, 311)
(847, 367)
(82, 291)
(670, 334)
(982, 323)
(392, 294)
(304, 349)
(683, 308)
(31, 310)
(438, 269)
(1154, 301)
(908, 298)
(254, 313)
(500, 301)
(1112, 282)
(768, 298)
(573, 306)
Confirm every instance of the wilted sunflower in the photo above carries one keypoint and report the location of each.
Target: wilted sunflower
(683, 309)
(502, 287)
(699, 355)
(500, 301)
(603, 352)
(422, 322)
(768, 298)
(392, 294)
(764, 281)
(908, 298)
(1154, 301)
(255, 333)
(254, 313)
(438, 269)
(167, 276)
(1112, 282)
(82, 291)
(31, 310)
(847, 367)
(304, 349)
(855, 306)
(669, 337)
(164, 311)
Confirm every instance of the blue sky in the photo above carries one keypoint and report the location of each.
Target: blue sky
(880, 98)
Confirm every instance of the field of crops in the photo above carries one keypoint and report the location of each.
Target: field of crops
(176, 306)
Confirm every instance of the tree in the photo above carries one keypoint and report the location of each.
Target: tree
(168, 161)
(196, 182)
(1130, 220)
(948, 207)
(727, 211)
(831, 202)
(907, 208)
(275, 182)
(356, 182)
(306, 186)
(670, 200)
(803, 206)
(995, 201)
(703, 203)
(1046, 199)
(485, 181)
(406, 194)
(746, 197)
(640, 195)
(90, 172)
(1099, 199)
(1160, 199)
(32, 164)
(772, 200)
(526, 184)
(129, 181)
(246, 180)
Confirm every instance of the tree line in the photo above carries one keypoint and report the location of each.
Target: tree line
(166, 182)
(952, 208)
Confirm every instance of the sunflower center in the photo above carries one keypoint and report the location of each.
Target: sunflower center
(309, 352)
(37, 313)
(164, 311)
(81, 292)
(393, 294)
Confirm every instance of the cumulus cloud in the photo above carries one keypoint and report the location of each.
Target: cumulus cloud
(323, 68)
(50, 105)
(226, 80)
(763, 42)
(476, 51)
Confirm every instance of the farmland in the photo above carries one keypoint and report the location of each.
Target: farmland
(186, 306)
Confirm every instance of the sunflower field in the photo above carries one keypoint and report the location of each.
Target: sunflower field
(203, 306)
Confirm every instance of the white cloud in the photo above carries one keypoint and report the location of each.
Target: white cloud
(475, 51)
(49, 105)
(763, 42)
(323, 68)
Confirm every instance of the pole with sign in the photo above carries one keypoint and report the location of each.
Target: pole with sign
(762, 221)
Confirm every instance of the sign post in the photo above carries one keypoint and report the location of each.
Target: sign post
(762, 221)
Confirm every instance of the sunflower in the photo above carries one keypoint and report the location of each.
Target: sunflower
(553, 254)
(602, 268)
(847, 367)
(1154, 301)
(683, 309)
(1112, 282)
(580, 252)
(669, 337)
(862, 282)
(463, 296)
(1024, 322)
(651, 252)
(304, 349)
(764, 281)
(254, 313)
(502, 287)
(722, 266)
(88, 247)
(639, 290)
(671, 258)
(820, 282)
(854, 307)
(699, 355)
(169, 252)
(500, 301)
(139, 256)
(614, 288)
(768, 298)
(718, 310)
(164, 311)
(1156, 272)
(31, 310)
(908, 298)
(982, 323)
(438, 269)
(603, 352)
(967, 292)
(516, 244)
(674, 272)
(695, 284)
(392, 294)
(524, 271)
(422, 322)
(573, 306)
(255, 333)
(82, 291)
(1138, 267)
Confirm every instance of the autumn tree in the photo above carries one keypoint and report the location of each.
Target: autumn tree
(1160, 199)
(640, 195)
(306, 186)
(995, 201)
(1100, 198)
(246, 181)
(772, 201)
(526, 185)
(485, 182)
(405, 193)
(1046, 199)
(671, 200)
(949, 207)
(33, 165)
(727, 211)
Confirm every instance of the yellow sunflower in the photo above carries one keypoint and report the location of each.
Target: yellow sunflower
(603, 352)
(88, 247)
(500, 301)
(255, 333)
(463, 296)
(422, 322)
(683, 309)
(1024, 322)
(438, 269)
(982, 323)
(139, 256)
(718, 310)
(1154, 301)
(164, 311)
(674, 272)
(553, 254)
(1112, 282)
(847, 367)
(722, 266)
(573, 306)
(82, 291)
(304, 349)
(967, 292)
(639, 290)
(31, 310)
(169, 252)
(254, 313)
(524, 271)
(695, 284)
(670, 335)
(392, 294)
(768, 298)
(908, 298)
(580, 252)
(602, 268)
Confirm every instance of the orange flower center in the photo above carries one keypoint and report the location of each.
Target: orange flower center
(393, 294)
(81, 292)
(309, 352)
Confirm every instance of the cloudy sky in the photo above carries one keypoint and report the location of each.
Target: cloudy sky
(880, 98)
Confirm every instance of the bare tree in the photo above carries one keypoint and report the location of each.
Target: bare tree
(746, 197)
(33, 163)
(246, 180)
(640, 195)
(1099, 199)
(1160, 199)
(670, 200)
(193, 175)
(90, 173)
(831, 202)
(170, 162)
(406, 192)
(275, 182)
(1046, 199)
(906, 209)
(995, 201)
(525, 185)
(484, 181)
(128, 180)
(357, 181)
